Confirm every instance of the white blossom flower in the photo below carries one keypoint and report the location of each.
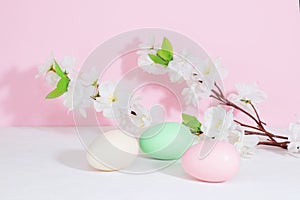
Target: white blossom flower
(46, 66)
(193, 92)
(145, 62)
(80, 92)
(190, 96)
(90, 77)
(140, 116)
(68, 63)
(294, 145)
(201, 81)
(52, 78)
(205, 75)
(108, 101)
(208, 73)
(248, 92)
(78, 97)
(217, 121)
(180, 68)
(245, 144)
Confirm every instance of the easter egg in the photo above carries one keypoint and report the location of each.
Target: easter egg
(221, 164)
(112, 150)
(166, 141)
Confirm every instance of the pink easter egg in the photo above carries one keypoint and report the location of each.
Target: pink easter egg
(221, 164)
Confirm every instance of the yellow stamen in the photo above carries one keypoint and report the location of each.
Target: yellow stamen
(219, 123)
(207, 71)
(112, 98)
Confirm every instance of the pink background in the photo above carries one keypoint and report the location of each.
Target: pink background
(258, 41)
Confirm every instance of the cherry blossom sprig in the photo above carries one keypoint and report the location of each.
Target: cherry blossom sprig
(259, 129)
(56, 75)
(81, 90)
(217, 122)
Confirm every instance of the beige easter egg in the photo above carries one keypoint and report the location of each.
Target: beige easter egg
(112, 150)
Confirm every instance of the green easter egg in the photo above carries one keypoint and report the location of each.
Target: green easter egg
(166, 141)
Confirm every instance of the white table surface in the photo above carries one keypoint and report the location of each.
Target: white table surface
(49, 163)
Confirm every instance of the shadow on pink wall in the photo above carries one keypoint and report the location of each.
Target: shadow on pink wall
(23, 103)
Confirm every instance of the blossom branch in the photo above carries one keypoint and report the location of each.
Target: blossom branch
(247, 132)
(246, 125)
(283, 145)
(256, 113)
(218, 95)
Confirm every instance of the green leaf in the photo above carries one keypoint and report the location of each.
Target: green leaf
(165, 55)
(158, 60)
(191, 122)
(194, 125)
(166, 45)
(61, 88)
(58, 70)
(187, 118)
(55, 93)
(63, 84)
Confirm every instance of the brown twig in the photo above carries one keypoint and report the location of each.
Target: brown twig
(246, 125)
(283, 145)
(263, 134)
(218, 95)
